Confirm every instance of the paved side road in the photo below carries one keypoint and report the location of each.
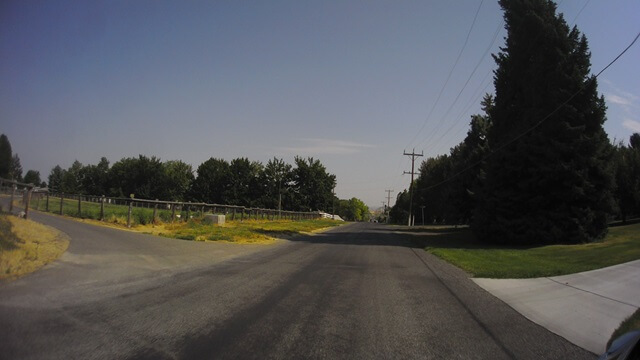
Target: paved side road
(360, 291)
(584, 308)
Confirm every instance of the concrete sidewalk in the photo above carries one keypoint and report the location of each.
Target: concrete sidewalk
(584, 308)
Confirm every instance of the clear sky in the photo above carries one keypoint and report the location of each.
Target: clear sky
(352, 83)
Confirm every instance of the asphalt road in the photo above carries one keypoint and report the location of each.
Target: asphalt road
(360, 291)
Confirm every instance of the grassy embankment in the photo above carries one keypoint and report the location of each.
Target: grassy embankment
(247, 231)
(26, 246)
(622, 244)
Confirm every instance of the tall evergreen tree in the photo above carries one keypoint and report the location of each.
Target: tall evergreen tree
(55, 179)
(15, 168)
(32, 177)
(5, 156)
(553, 184)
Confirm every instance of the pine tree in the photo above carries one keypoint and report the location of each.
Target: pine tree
(5, 156)
(553, 184)
(15, 168)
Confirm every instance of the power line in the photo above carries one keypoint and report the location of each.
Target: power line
(495, 36)
(475, 97)
(580, 12)
(537, 124)
(448, 76)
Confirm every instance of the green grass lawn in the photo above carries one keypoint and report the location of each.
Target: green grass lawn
(622, 244)
(91, 210)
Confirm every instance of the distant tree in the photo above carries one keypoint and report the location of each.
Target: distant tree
(352, 210)
(5, 156)
(312, 185)
(627, 177)
(448, 185)
(276, 177)
(212, 181)
(142, 176)
(399, 213)
(244, 188)
(94, 178)
(634, 141)
(55, 178)
(32, 177)
(437, 201)
(15, 168)
(72, 179)
(468, 165)
(178, 178)
(549, 179)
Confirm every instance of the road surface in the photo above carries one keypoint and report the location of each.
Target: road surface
(360, 291)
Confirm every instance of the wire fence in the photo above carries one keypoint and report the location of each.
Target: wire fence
(132, 210)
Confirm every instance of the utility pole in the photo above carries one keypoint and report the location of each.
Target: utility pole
(413, 162)
(388, 202)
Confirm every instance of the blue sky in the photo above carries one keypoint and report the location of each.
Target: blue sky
(352, 83)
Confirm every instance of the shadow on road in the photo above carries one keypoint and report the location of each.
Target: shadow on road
(390, 235)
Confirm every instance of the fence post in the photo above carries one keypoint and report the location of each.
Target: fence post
(129, 214)
(173, 212)
(47, 205)
(26, 208)
(155, 211)
(79, 205)
(13, 194)
(233, 214)
(242, 215)
(188, 212)
(102, 208)
(61, 202)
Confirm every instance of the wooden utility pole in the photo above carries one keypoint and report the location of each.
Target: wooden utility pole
(413, 162)
(388, 208)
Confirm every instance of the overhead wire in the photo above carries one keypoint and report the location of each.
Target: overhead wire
(480, 61)
(580, 12)
(518, 137)
(457, 123)
(448, 76)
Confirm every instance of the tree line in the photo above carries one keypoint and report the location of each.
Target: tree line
(536, 166)
(307, 186)
(11, 168)
(304, 186)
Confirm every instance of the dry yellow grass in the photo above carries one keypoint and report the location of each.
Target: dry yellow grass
(28, 246)
(246, 232)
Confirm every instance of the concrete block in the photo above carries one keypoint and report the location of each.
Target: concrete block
(213, 219)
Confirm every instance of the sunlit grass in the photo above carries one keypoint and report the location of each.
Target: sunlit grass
(116, 214)
(27, 246)
(241, 232)
(622, 244)
(248, 231)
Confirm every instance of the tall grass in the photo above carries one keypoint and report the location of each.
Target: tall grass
(112, 213)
